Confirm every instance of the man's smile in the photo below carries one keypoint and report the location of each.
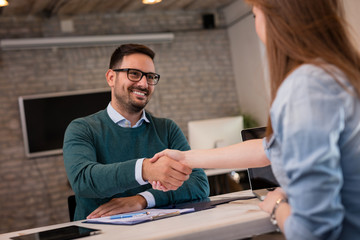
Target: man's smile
(139, 93)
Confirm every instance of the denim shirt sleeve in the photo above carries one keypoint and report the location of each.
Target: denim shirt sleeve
(308, 118)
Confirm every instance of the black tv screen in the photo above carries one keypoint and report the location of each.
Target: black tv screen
(45, 117)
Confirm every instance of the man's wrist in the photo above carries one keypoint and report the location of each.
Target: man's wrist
(145, 163)
(142, 201)
(149, 197)
(139, 172)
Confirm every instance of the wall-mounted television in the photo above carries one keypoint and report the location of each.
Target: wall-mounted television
(45, 117)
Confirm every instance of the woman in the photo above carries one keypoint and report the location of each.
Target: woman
(313, 135)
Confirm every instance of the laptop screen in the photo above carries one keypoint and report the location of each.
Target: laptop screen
(262, 177)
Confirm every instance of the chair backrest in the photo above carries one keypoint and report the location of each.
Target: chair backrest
(71, 207)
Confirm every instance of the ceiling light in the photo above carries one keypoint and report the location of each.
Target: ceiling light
(3, 3)
(150, 1)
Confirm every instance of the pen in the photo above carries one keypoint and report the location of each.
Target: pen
(160, 216)
(128, 215)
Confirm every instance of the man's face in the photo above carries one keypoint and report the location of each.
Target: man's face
(129, 96)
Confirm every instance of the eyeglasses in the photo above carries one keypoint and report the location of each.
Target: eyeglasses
(136, 75)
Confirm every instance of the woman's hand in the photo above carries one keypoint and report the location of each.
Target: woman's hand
(170, 153)
(158, 186)
(283, 210)
(269, 202)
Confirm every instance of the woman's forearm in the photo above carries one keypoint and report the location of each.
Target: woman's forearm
(242, 155)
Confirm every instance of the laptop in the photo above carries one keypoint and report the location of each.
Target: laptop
(262, 180)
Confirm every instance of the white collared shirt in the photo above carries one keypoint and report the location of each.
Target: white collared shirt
(123, 122)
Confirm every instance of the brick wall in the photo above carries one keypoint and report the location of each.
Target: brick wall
(197, 82)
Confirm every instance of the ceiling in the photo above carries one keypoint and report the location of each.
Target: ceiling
(50, 8)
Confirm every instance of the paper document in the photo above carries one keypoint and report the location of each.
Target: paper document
(139, 216)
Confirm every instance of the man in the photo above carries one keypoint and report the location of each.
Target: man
(106, 154)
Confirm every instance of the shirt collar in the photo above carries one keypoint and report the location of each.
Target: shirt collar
(118, 118)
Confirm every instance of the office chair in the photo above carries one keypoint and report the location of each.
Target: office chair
(71, 207)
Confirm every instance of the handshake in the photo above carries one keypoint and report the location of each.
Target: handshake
(167, 170)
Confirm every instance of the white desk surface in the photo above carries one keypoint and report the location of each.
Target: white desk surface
(236, 220)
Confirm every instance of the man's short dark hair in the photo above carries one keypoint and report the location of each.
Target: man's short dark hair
(127, 49)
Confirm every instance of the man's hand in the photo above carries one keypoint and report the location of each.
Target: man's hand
(169, 172)
(119, 205)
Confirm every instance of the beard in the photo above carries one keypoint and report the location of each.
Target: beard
(129, 104)
(136, 107)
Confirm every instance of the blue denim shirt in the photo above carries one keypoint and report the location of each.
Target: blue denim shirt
(315, 153)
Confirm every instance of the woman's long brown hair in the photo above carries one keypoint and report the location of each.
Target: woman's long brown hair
(304, 31)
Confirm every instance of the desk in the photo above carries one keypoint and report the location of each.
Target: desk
(236, 220)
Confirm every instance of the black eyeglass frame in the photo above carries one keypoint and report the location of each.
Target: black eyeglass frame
(142, 74)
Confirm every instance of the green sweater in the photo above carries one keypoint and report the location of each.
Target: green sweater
(100, 159)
